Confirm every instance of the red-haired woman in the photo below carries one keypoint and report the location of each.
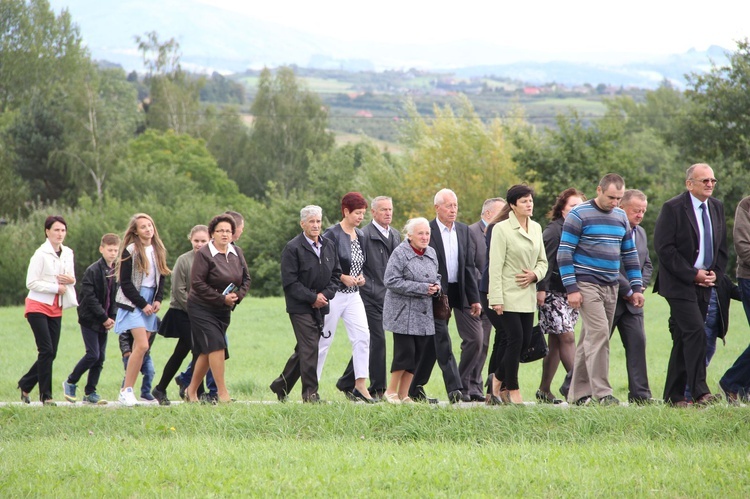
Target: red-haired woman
(349, 242)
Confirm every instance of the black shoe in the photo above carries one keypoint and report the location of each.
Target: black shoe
(455, 397)
(160, 396)
(494, 400)
(24, 398)
(421, 396)
(586, 400)
(477, 398)
(209, 398)
(378, 395)
(314, 399)
(349, 394)
(358, 396)
(281, 395)
(183, 388)
(547, 398)
(642, 401)
(609, 400)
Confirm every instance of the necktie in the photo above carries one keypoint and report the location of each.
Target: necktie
(708, 245)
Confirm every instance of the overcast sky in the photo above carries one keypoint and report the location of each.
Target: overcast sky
(550, 26)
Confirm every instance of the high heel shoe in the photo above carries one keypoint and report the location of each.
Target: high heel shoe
(359, 395)
(515, 397)
(24, 396)
(493, 400)
(504, 396)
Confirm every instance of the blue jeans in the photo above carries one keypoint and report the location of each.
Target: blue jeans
(737, 378)
(147, 370)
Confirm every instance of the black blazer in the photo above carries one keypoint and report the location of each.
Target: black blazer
(343, 245)
(304, 275)
(377, 253)
(467, 281)
(676, 242)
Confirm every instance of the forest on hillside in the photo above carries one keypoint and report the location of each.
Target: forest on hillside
(97, 145)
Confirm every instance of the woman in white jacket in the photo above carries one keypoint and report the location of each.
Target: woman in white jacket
(50, 279)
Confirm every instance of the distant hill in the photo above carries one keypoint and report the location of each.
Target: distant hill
(213, 39)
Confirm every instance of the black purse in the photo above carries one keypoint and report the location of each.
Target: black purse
(537, 348)
(441, 307)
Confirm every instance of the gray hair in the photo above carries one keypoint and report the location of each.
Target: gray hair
(489, 202)
(309, 211)
(440, 196)
(631, 194)
(412, 223)
(378, 199)
(689, 171)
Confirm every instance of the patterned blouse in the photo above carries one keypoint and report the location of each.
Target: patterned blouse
(358, 259)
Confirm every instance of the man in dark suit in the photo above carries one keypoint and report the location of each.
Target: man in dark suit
(629, 318)
(476, 342)
(310, 275)
(382, 239)
(455, 251)
(690, 239)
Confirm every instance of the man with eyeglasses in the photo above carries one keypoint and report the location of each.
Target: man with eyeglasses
(690, 239)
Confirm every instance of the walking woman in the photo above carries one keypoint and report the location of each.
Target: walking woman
(50, 279)
(517, 260)
(411, 280)
(219, 280)
(349, 242)
(557, 319)
(176, 322)
(140, 270)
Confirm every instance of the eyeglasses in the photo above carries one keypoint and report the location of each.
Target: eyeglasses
(705, 181)
(222, 231)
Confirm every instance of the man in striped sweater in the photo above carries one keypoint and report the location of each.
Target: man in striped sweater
(596, 238)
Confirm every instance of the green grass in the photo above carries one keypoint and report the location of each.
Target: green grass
(345, 449)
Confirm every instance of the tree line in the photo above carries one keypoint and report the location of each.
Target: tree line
(96, 145)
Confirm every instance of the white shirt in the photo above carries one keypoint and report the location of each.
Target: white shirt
(450, 246)
(386, 231)
(149, 280)
(699, 217)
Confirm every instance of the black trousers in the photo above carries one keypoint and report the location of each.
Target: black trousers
(304, 361)
(500, 342)
(95, 343)
(181, 351)
(378, 381)
(687, 362)
(47, 336)
(518, 326)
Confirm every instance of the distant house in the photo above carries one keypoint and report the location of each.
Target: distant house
(363, 114)
(532, 91)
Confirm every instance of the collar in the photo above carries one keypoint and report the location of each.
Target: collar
(386, 231)
(319, 244)
(697, 202)
(214, 251)
(443, 227)
(484, 224)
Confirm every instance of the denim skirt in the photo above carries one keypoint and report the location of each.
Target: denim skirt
(130, 319)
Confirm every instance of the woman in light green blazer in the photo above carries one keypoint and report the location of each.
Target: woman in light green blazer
(517, 259)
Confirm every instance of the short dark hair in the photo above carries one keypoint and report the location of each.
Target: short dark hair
(238, 218)
(110, 239)
(612, 178)
(632, 193)
(50, 221)
(218, 219)
(517, 192)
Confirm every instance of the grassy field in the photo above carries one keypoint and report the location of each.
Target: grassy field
(346, 449)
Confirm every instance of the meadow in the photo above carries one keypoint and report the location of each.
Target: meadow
(258, 447)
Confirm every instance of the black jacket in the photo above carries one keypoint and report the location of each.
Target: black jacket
(128, 288)
(304, 275)
(377, 253)
(343, 244)
(726, 291)
(93, 296)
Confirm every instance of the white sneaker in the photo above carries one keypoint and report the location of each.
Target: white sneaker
(127, 398)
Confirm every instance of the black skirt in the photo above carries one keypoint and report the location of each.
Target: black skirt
(209, 326)
(175, 324)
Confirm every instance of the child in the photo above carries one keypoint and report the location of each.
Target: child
(141, 268)
(96, 314)
(147, 367)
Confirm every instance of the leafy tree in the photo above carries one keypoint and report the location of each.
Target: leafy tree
(289, 128)
(458, 151)
(173, 102)
(39, 51)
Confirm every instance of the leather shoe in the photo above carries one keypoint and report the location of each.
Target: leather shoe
(358, 396)
(477, 398)
(547, 398)
(313, 399)
(708, 399)
(732, 397)
(680, 404)
(421, 396)
(455, 396)
(280, 393)
(494, 400)
(585, 400)
(24, 397)
(642, 401)
(350, 395)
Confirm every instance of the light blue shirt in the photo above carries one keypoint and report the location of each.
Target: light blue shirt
(701, 230)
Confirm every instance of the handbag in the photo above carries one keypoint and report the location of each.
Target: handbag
(441, 307)
(537, 348)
